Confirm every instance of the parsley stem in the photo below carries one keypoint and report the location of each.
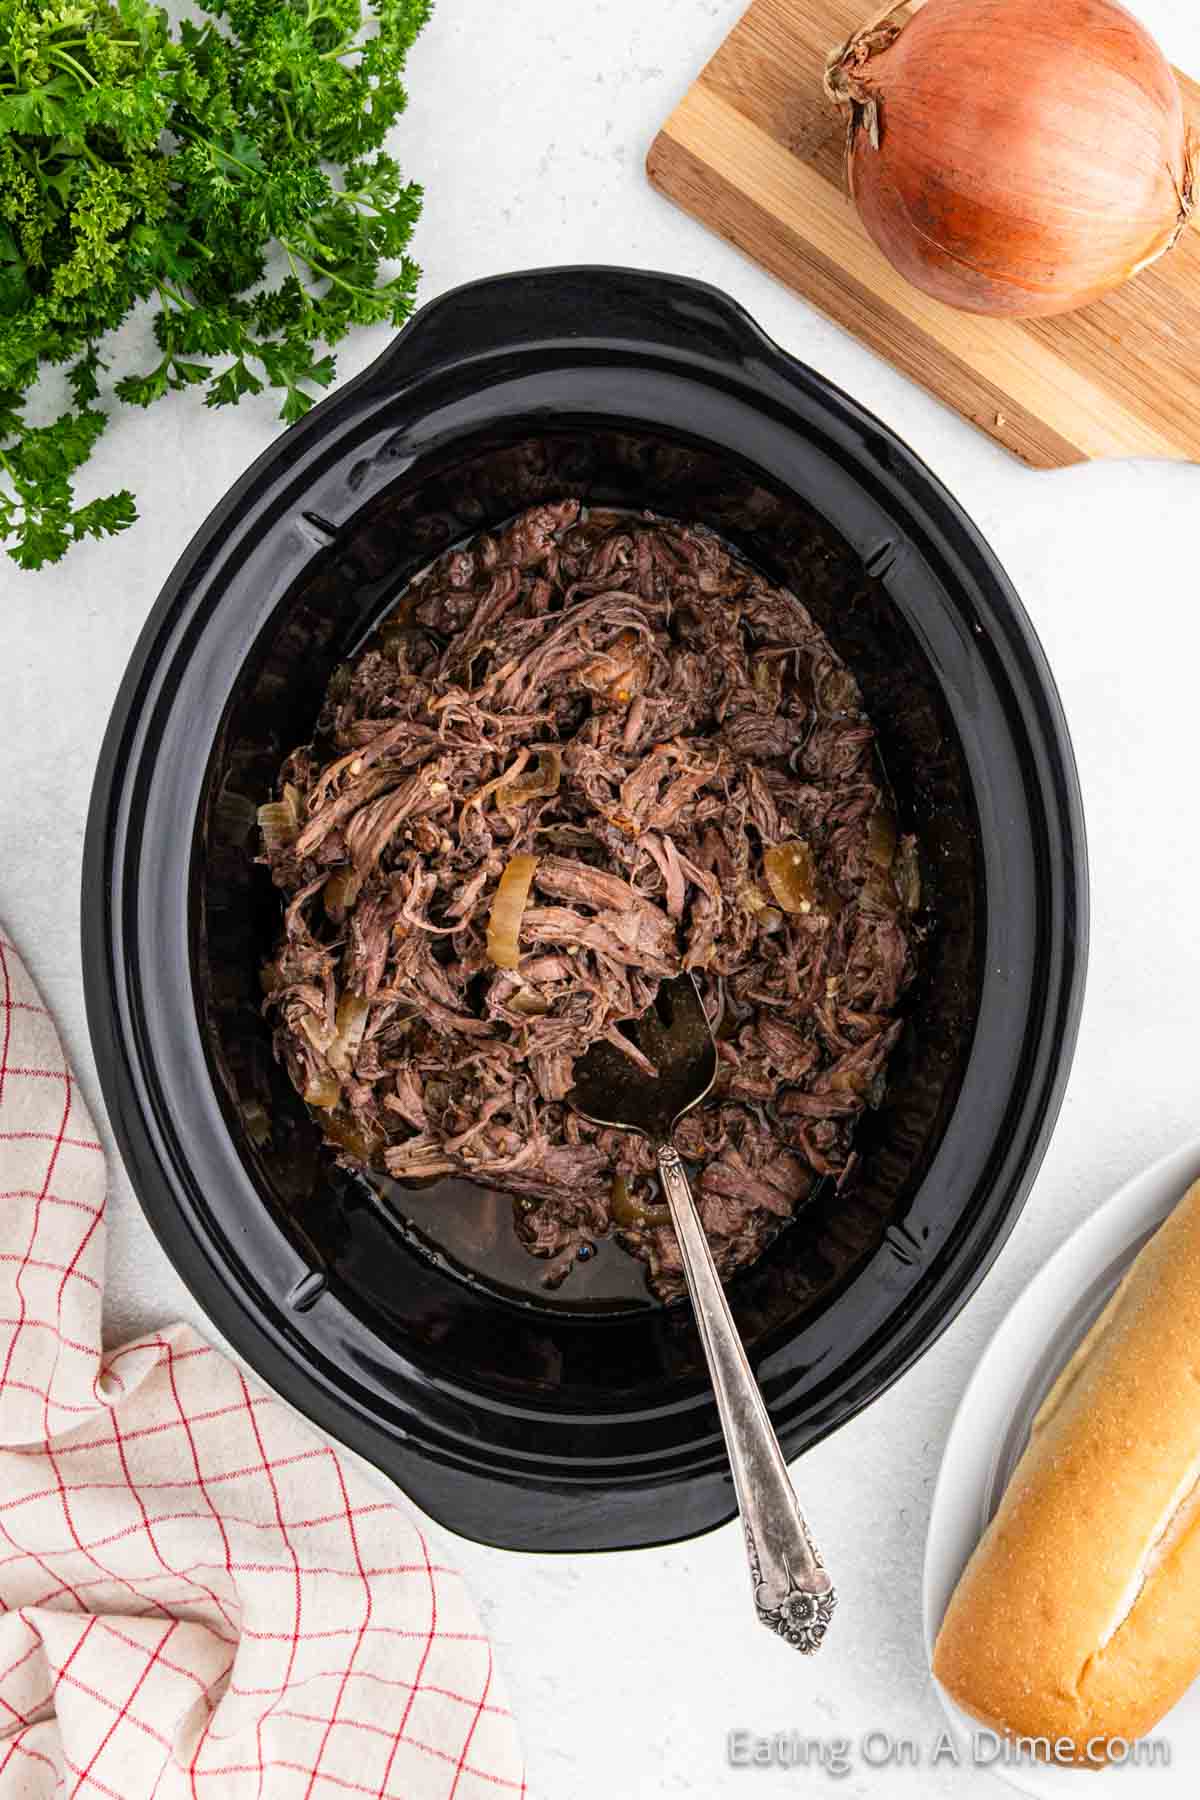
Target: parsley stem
(82, 43)
(320, 269)
(363, 199)
(308, 299)
(215, 150)
(63, 61)
(165, 288)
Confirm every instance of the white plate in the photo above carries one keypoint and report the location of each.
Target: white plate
(989, 1432)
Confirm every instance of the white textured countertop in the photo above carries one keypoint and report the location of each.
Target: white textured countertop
(528, 125)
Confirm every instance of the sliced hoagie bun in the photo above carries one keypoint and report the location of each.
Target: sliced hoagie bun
(1077, 1619)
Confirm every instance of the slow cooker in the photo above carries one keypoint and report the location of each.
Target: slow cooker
(580, 1419)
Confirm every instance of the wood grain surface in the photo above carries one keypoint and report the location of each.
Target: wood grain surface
(756, 152)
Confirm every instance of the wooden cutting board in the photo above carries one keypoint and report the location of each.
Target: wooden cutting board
(757, 153)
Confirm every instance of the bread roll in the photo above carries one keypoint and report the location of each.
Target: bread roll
(1077, 1619)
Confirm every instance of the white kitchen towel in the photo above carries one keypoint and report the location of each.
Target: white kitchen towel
(200, 1597)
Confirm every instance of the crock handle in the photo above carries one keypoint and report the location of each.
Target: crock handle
(569, 307)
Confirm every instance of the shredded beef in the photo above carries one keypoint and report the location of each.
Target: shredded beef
(630, 703)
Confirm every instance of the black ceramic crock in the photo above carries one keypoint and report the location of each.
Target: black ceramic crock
(525, 1419)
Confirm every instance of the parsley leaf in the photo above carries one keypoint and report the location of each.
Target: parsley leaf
(229, 174)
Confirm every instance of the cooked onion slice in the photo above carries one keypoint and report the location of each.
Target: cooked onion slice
(323, 1090)
(768, 917)
(539, 783)
(529, 1002)
(791, 871)
(618, 675)
(340, 892)
(908, 875)
(279, 820)
(881, 837)
(351, 1135)
(352, 1015)
(504, 920)
(630, 1214)
(317, 1030)
(515, 787)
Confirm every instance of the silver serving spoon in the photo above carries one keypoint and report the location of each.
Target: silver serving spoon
(792, 1593)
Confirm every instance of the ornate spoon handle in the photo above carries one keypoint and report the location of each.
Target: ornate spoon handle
(792, 1593)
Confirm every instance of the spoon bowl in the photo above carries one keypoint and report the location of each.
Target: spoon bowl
(615, 1088)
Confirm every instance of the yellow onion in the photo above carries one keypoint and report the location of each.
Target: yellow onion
(1016, 157)
(504, 920)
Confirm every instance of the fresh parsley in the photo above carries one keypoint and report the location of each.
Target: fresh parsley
(229, 173)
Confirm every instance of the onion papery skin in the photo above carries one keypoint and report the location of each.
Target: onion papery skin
(1015, 157)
